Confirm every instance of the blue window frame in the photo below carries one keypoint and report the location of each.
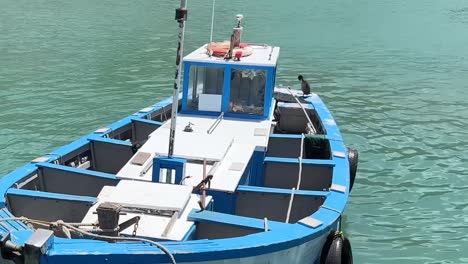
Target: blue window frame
(253, 92)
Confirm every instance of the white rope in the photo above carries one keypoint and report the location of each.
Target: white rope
(299, 177)
(311, 125)
(60, 223)
(290, 205)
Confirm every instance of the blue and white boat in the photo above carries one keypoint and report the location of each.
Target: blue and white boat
(232, 169)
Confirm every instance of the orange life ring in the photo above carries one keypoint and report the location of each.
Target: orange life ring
(220, 49)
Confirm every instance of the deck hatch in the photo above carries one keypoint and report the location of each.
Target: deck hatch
(140, 158)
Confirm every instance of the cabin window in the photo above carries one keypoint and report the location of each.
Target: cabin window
(205, 88)
(247, 93)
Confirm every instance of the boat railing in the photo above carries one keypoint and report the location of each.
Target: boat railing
(215, 123)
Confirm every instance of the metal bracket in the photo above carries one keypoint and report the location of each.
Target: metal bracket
(37, 245)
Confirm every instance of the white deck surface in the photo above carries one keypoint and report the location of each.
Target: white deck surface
(225, 178)
(231, 144)
(188, 145)
(259, 57)
(150, 225)
(156, 196)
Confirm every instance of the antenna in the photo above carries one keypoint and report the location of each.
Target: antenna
(239, 18)
(212, 21)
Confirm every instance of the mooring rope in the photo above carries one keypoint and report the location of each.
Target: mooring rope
(311, 125)
(60, 223)
(299, 179)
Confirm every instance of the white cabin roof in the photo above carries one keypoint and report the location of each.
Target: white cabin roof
(259, 57)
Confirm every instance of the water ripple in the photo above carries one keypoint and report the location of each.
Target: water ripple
(393, 73)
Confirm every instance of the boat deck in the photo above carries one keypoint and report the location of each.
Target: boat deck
(137, 196)
(226, 145)
(228, 148)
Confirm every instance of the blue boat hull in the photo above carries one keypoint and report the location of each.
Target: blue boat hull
(285, 243)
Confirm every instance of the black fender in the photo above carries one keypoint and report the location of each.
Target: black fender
(353, 157)
(336, 250)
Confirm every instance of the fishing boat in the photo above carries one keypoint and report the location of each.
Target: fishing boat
(230, 169)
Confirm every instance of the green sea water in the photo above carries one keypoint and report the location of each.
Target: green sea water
(394, 73)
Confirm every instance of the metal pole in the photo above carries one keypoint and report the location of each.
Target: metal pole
(212, 21)
(181, 17)
(204, 185)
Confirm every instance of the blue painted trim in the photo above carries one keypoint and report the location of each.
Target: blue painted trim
(245, 116)
(19, 237)
(52, 196)
(326, 118)
(14, 177)
(94, 138)
(226, 90)
(257, 168)
(268, 95)
(223, 202)
(146, 121)
(170, 163)
(187, 66)
(248, 176)
(116, 125)
(229, 65)
(190, 235)
(245, 188)
(294, 105)
(234, 220)
(76, 170)
(305, 162)
(63, 151)
(226, 115)
(296, 136)
(10, 226)
(203, 113)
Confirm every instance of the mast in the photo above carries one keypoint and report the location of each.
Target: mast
(181, 17)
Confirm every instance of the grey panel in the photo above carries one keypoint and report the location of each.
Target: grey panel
(207, 230)
(292, 120)
(110, 158)
(47, 209)
(285, 175)
(61, 181)
(275, 206)
(73, 154)
(163, 114)
(30, 182)
(284, 147)
(142, 130)
(122, 133)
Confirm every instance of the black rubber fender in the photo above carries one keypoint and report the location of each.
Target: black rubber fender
(353, 157)
(336, 250)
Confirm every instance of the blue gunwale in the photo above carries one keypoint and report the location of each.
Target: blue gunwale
(51, 195)
(82, 172)
(284, 237)
(248, 188)
(94, 137)
(305, 162)
(234, 220)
